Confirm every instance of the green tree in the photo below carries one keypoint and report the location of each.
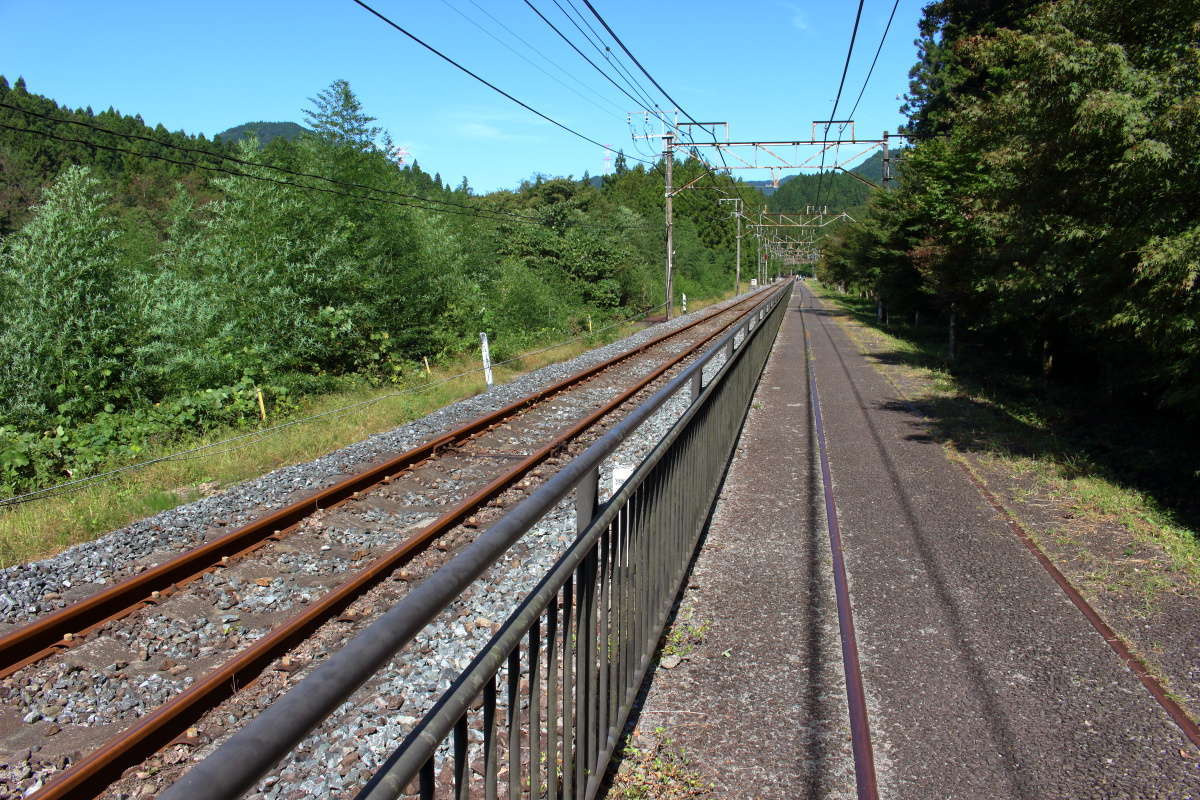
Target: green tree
(70, 321)
(338, 116)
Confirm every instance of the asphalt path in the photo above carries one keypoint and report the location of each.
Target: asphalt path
(983, 680)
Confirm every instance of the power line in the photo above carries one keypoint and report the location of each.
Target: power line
(546, 58)
(665, 94)
(522, 56)
(484, 81)
(633, 58)
(257, 165)
(495, 216)
(838, 98)
(879, 49)
(644, 100)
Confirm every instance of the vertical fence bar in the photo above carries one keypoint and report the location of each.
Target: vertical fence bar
(552, 681)
(604, 605)
(489, 739)
(568, 688)
(462, 769)
(514, 718)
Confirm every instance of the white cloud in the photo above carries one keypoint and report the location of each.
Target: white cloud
(483, 132)
(479, 130)
(799, 18)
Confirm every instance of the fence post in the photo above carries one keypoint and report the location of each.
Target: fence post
(487, 358)
(585, 500)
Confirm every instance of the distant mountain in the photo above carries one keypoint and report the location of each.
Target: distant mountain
(265, 131)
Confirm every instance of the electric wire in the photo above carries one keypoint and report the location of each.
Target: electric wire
(522, 56)
(233, 172)
(479, 78)
(658, 86)
(609, 55)
(633, 58)
(497, 215)
(644, 102)
(870, 71)
(259, 165)
(255, 437)
(546, 58)
(837, 99)
(583, 55)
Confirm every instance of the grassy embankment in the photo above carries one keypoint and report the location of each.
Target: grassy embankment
(43, 527)
(1100, 465)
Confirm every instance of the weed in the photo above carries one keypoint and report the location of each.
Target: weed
(660, 771)
(682, 640)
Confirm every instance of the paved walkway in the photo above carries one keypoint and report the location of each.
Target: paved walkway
(982, 678)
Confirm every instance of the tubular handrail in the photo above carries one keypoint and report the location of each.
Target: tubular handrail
(235, 766)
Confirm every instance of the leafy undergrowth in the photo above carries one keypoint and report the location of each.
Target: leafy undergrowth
(654, 768)
(1132, 471)
(40, 528)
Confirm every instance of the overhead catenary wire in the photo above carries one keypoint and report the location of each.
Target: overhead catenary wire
(583, 55)
(837, 99)
(874, 60)
(597, 43)
(253, 437)
(525, 58)
(479, 78)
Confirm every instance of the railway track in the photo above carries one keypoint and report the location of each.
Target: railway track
(866, 782)
(158, 643)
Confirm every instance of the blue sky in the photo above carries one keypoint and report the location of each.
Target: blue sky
(768, 68)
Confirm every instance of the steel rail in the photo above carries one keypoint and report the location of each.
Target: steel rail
(234, 767)
(65, 628)
(1187, 726)
(860, 726)
(89, 777)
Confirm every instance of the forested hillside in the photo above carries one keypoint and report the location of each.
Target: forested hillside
(264, 132)
(1048, 208)
(150, 288)
(838, 190)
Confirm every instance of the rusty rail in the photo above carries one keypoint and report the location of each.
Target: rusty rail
(90, 776)
(65, 628)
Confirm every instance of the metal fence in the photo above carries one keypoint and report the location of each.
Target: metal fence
(539, 711)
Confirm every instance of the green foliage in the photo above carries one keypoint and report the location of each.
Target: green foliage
(264, 132)
(70, 314)
(1049, 198)
(146, 302)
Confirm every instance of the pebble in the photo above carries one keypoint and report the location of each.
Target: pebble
(413, 681)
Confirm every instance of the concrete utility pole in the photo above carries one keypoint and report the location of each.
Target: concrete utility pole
(887, 161)
(668, 163)
(737, 215)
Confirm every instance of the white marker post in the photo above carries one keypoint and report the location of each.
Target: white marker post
(620, 474)
(487, 359)
(684, 303)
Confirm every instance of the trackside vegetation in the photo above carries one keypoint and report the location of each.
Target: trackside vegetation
(1047, 211)
(1046, 223)
(146, 300)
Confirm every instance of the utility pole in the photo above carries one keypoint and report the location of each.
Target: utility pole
(737, 215)
(668, 163)
(762, 269)
(887, 161)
